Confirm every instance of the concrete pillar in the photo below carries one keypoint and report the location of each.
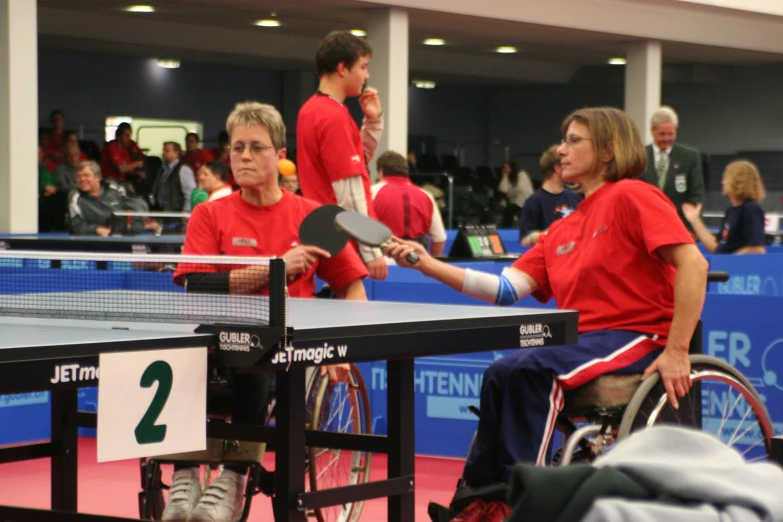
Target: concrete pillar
(18, 117)
(298, 86)
(643, 84)
(387, 30)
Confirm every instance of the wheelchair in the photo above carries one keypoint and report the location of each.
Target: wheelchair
(343, 406)
(721, 402)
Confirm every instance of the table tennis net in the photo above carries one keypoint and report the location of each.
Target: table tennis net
(131, 288)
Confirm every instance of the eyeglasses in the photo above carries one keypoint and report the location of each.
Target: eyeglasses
(573, 140)
(256, 149)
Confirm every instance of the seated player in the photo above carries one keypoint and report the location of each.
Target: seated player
(623, 259)
(92, 205)
(547, 204)
(410, 212)
(742, 228)
(258, 220)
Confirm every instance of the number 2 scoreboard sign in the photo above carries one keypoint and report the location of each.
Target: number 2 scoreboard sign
(152, 403)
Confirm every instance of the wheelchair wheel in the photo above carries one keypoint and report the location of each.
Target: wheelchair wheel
(342, 407)
(722, 402)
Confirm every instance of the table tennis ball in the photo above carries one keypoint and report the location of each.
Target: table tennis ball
(286, 167)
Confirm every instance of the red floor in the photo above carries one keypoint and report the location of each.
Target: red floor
(112, 488)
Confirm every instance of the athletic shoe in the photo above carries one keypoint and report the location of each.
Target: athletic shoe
(473, 512)
(496, 511)
(184, 494)
(222, 501)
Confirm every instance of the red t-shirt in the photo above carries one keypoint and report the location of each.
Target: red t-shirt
(601, 260)
(233, 227)
(403, 207)
(197, 159)
(328, 148)
(113, 155)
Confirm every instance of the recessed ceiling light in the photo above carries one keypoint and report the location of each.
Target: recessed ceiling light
(506, 49)
(140, 9)
(168, 64)
(616, 61)
(358, 32)
(424, 84)
(434, 41)
(268, 23)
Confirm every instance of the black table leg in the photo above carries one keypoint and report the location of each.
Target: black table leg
(289, 445)
(65, 448)
(400, 406)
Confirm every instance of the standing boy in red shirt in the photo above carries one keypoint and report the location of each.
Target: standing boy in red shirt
(332, 153)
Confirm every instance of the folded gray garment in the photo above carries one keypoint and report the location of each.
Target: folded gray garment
(692, 466)
(621, 510)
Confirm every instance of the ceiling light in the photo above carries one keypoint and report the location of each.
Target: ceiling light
(168, 64)
(268, 23)
(140, 9)
(616, 61)
(358, 32)
(506, 49)
(424, 84)
(434, 41)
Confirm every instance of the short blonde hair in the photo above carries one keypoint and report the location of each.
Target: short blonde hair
(612, 132)
(93, 166)
(743, 181)
(664, 115)
(255, 114)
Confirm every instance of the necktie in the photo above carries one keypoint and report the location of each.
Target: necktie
(660, 167)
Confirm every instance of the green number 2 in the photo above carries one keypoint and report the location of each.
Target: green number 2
(147, 432)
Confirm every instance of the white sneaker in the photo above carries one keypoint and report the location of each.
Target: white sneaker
(184, 494)
(222, 501)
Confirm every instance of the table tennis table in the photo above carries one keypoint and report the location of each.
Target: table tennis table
(31, 350)
(141, 244)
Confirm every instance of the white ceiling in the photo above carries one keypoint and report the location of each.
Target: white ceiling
(222, 31)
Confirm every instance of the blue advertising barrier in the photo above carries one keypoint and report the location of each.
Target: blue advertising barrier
(741, 326)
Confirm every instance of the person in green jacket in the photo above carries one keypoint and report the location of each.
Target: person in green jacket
(674, 168)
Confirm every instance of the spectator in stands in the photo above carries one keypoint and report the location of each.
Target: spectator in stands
(742, 228)
(290, 183)
(332, 152)
(174, 184)
(517, 187)
(47, 184)
(57, 121)
(213, 178)
(65, 173)
(195, 157)
(674, 168)
(222, 153)
(549, 203)
(410, 212)
(122, 159)
(259, 220)
(92, 205)
(412, 167)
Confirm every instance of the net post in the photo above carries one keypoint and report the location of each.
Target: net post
(277, 291)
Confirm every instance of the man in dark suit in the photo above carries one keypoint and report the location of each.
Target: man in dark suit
(675, 169)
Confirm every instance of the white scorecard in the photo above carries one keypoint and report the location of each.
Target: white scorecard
(152, 403)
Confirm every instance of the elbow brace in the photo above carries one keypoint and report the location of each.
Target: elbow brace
(504, 290)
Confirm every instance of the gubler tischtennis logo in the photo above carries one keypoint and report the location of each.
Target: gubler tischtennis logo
(533, 335)
(238, 341)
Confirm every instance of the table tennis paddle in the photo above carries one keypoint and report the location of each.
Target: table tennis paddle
(368, 231)
(318, 229)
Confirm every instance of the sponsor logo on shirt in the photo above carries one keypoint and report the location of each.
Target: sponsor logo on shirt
(563, 210)
(356, 158)
(680, 183)
(243, 241)
(564, 249)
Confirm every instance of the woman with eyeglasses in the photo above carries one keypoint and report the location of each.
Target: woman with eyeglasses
(623, 259)
(742, 228)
